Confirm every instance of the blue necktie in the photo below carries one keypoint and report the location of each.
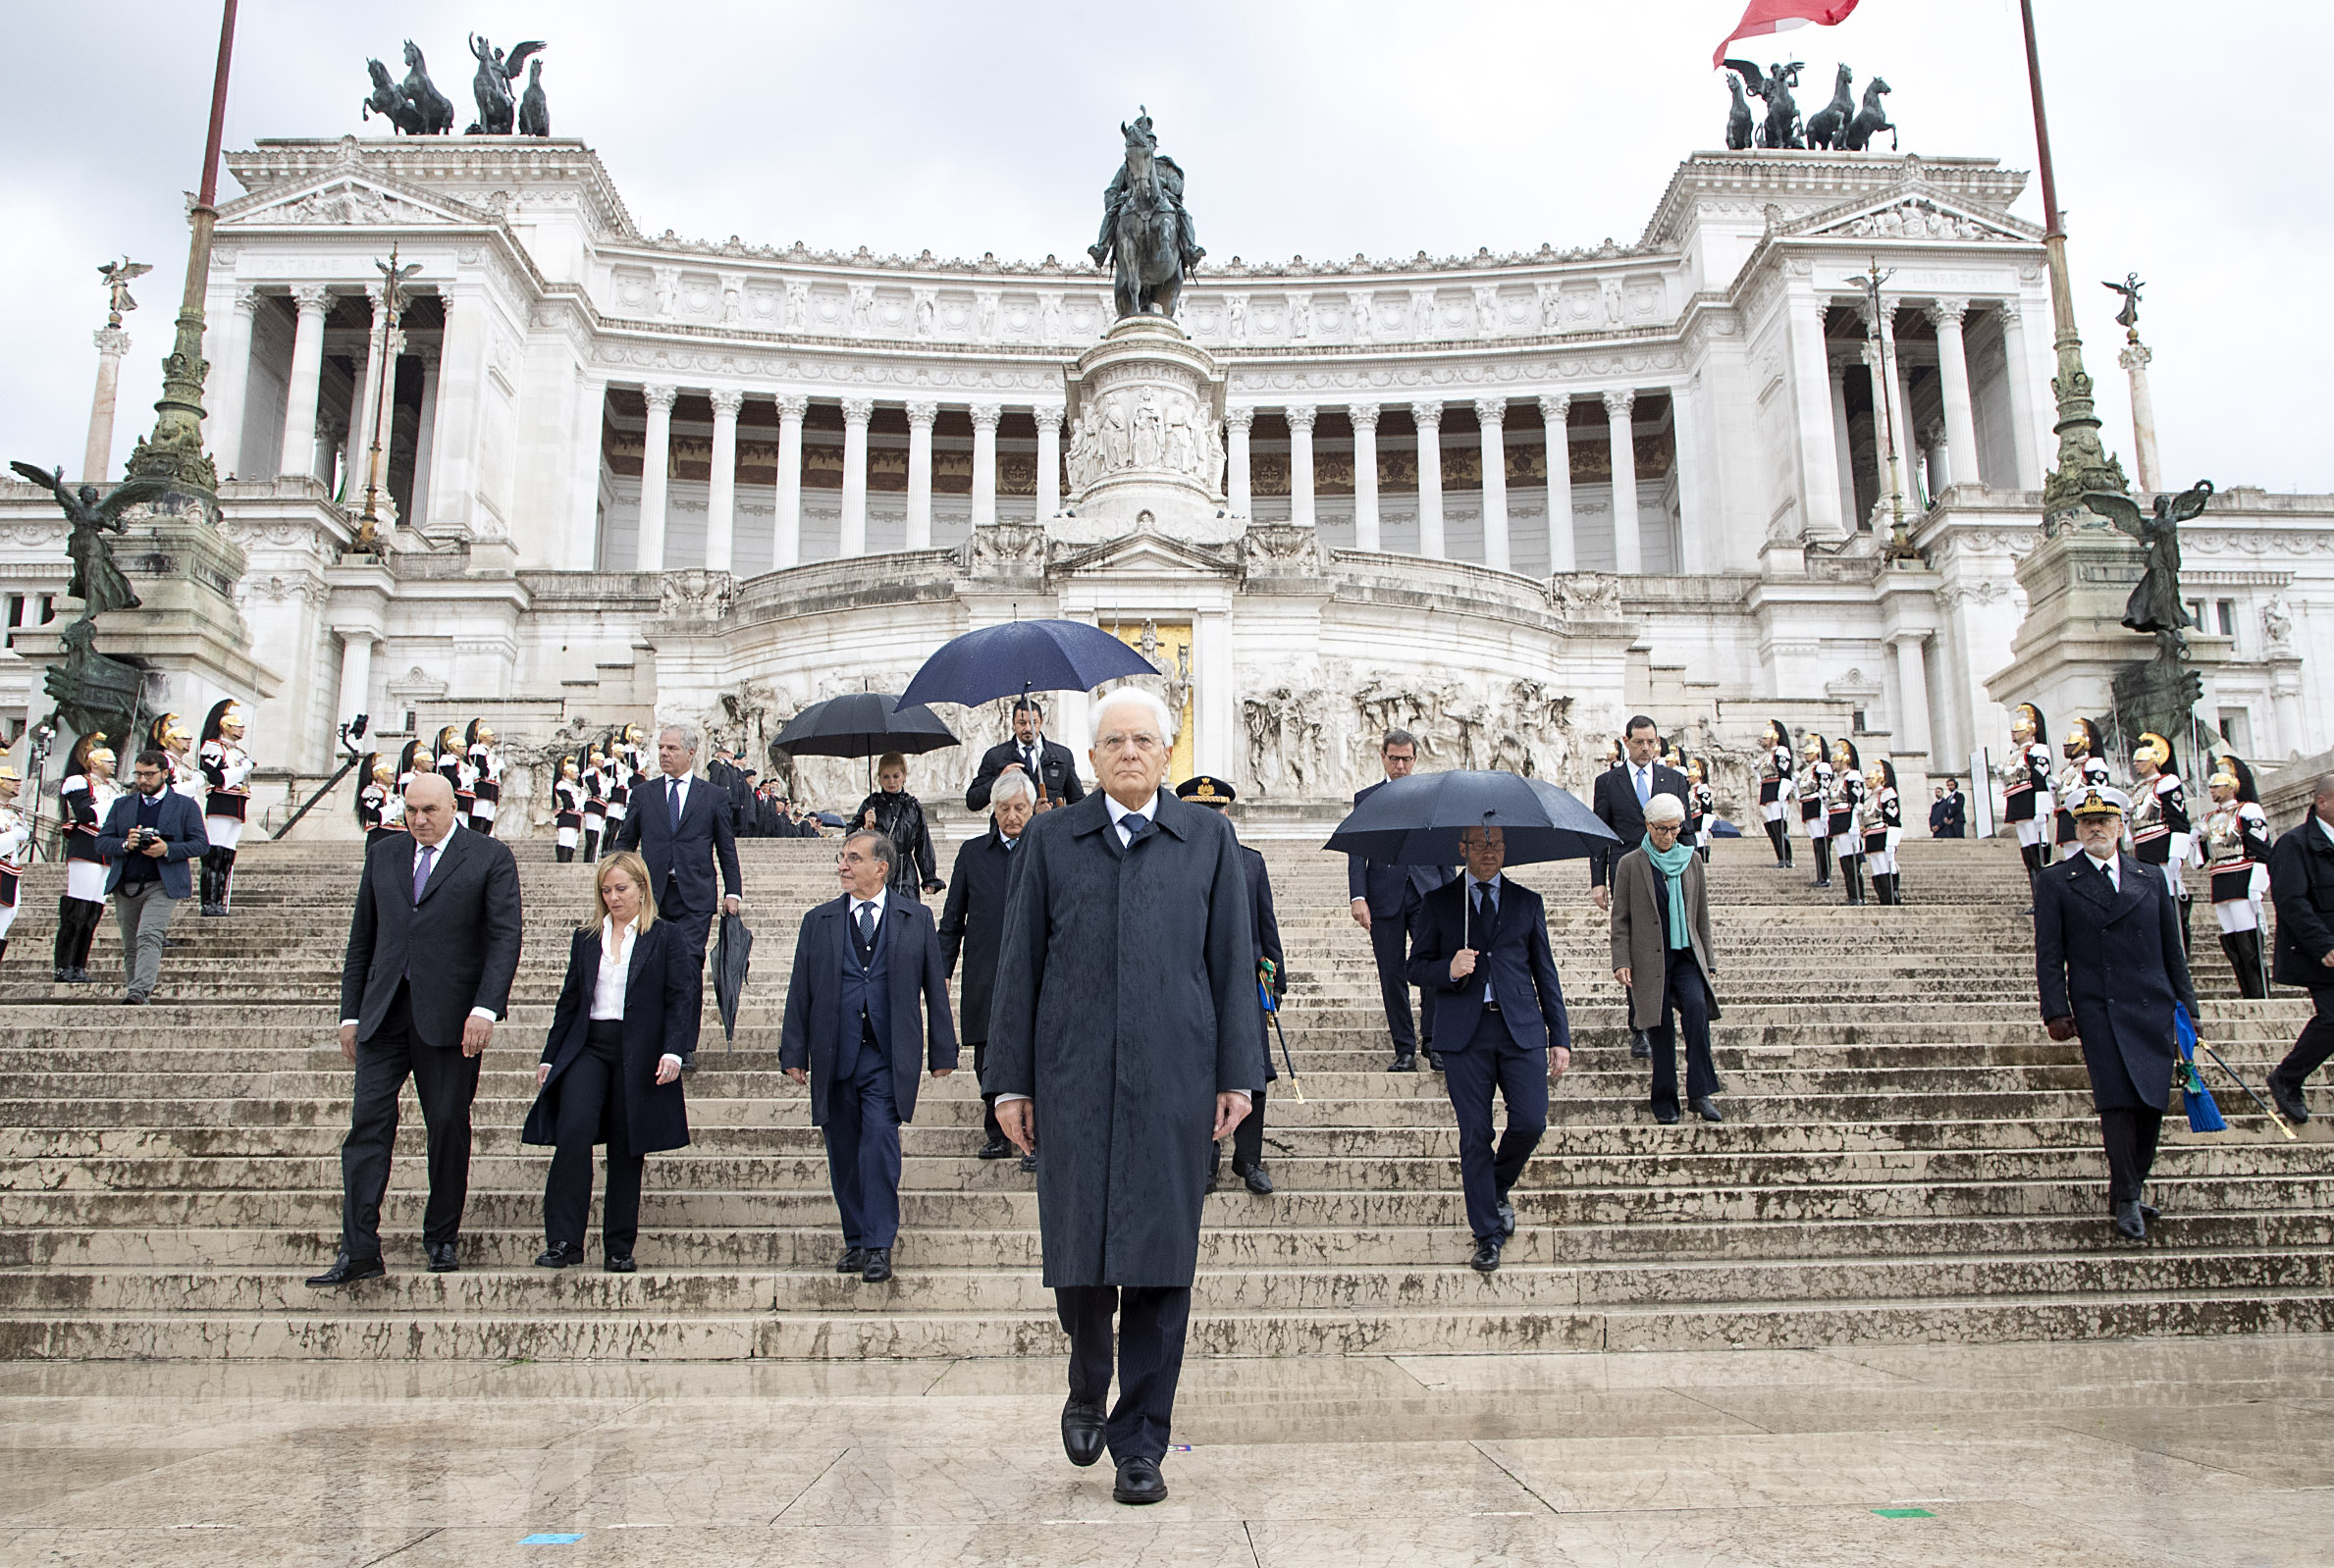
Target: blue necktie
(673, 797)
(421, 870)
(1644, 786)
(1136, 824)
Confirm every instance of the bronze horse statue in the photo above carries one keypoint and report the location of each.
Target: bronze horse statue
(1148, 276)
(1870, 120)
(389, 102)
(1828, 125)
(435, 109)
(1782, 128)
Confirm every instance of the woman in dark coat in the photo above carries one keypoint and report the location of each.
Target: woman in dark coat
(612, 1067)
(899, 816)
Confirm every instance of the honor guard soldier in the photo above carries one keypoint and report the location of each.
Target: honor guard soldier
(1247, 1139)
(1701, 806)
(16, 832)
(2237, 846)
(378, 799)
(412, 762)
(1815, 784)
(2026, 789)
(568, 809)
(595, 806)
(169, 734)
(226, 772)
(1775, 770)
(2085, 757)
(622, 770)
(486, 773)
(2159, 821)
(1883, 823)
(454, 767)
(1843, 811)
(83, 797)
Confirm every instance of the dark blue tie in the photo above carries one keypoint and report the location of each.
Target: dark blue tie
(673, 797)
(1136, 824)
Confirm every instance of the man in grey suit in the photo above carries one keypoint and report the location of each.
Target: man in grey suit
(1124, 1039)
(432, 949)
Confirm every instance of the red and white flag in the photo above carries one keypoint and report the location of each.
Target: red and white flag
(1762, 17)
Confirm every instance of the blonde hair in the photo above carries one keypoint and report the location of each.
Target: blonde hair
(632, 865)
(890, 761)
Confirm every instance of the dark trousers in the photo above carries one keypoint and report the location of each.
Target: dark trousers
(1389, 945)
(1685, 998)
(696, 928)
(1493, 1059)
(988, 1099)
(445, 1081)
(2312, 1048)
(1148, 1347)
(863, 1149)
(591, 1110)
(1247, 1139)
(2129, 1136)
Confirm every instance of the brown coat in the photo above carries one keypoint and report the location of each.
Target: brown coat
(1637, 944)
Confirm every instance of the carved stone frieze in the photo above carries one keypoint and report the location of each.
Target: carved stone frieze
(1281, 549)
(696, 595)
(1005, 549)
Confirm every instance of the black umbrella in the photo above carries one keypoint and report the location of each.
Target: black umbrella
(733, 951)
(1021, 657)
(863, 724)
(1417, 820)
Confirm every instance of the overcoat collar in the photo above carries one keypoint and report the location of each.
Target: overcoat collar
(2118, 897)
(1168, 811)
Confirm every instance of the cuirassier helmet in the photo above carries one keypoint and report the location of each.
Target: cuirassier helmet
(2153, 748)
(2081, 741)
(2027, 724)
(1812, 748)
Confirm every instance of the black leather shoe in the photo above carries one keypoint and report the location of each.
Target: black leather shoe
(1258, 1182)
(1404, 1061)
(1434, 1060)
(1138, 1482)
(879, 1266)
(997, 1148)
(1082, 1431)
(2150, 1213)
(559, 1255)
(852, 1261)
(618, 1262)
(1707, 1109)
(444, 1261)
(1507, 1218)
(1029, 1162)
(2128, 1222)
(347, 1270)
(1665, 1115)
(1640, 1048)
(2289, 1102)
(1486, 1259)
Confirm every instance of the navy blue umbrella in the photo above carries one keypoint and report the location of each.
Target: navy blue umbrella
(1417, 820)
(1021, 657)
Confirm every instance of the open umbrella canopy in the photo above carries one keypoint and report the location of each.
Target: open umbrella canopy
(1417, 820)
(1022, 657)
(863, 724)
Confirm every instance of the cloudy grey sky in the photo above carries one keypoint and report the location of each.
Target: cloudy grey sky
(2184, 136)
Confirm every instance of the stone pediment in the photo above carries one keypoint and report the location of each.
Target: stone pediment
(1915, 212)
(1150, 554)
(348, 196)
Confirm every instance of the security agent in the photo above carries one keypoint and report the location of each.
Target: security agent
(1247, 1139)
(1051, 770)
(1385, 901)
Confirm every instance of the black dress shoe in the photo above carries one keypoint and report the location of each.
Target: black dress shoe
(2289, 1102)
(1434, 1058)
(1665, 1115)
(879, 1266)
(559, 1255)
(1707, 1109)
(1082, 1431)
(852, 1261)
(618, 1262)
(1640, 1047)
(1258, 1182)
(1138, 1482)
(1404, 1061)
(2150, 1213)
(1507, 1218)
(2128, 1222)
(1486, 1259)
(444, 1261)
(347, 1270)
(1029, 1162)
(997, 1148)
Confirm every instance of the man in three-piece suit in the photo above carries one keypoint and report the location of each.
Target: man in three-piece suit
(2302, 882)
(432, 949)
(866, 1005)
(680, 825)
(1385, 901)
(2110, 968)
(1482, 946)
(1620, 795)
(1051, 770)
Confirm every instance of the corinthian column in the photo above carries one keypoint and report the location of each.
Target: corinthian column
(225, 433)
(1049, 460)
(721, 515)
(1628, 544)
(1239, 419)
(1301, 463)
(857, 411)
(1492, 414)
(97, 454)
(1365, 475)
(1564, 553)
(1952, 377)
(785, 547)
(984, 465)
(919, 474)
(656, 472)
(1429, 417)
(298, 454)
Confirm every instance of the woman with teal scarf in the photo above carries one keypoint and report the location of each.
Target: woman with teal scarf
(1662, 955)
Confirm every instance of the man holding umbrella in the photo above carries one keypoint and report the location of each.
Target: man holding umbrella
(1051, 770)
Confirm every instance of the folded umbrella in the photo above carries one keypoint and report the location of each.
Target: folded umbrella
(863, 724)
(1022, 656)
(2203, 1114)
(734, 951)
(1417, 820)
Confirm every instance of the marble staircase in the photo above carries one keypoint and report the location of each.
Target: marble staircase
(1906, 1157)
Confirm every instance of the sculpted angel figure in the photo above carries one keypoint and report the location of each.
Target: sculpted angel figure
(2155, 605)
(96, 581)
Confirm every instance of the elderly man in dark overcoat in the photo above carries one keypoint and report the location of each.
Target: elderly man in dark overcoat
(1124, 1038)
(973, 925)
(2110, 968)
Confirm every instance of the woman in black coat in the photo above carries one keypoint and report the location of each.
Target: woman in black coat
(612, 1067)
(899, 816)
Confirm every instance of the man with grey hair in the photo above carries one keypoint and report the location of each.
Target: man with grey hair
(2302, 885)
(680, 825)
(973, 925)
(1125, 1034)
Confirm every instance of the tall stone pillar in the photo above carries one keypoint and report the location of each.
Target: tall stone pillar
(1300, 419)
(1238, 421)
(1364, 417)
(656, 472)
(1564, 550)
(1818, 457)
(1844, 446)
(786, 547)
(1049, 460)
(2133, 359)
(1492, 414)
(356, 675)
(360, 408)
(97, 453)
(857, 411)
(919, 474)
(2024, 432)
(1912, 692)
(1880, 487)
(720, 509)
(425, 439)
(984, 465)
(1429, 417)
(1952, 380)
(1894, 437)
(307, 368)
(224, 428)
(1629, 542)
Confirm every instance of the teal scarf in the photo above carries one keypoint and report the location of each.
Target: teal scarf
(1673, 863)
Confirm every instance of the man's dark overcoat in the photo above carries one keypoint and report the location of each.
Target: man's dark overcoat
(2112, 959)
(973, 925)
(2301, 883)
(1125, 1001)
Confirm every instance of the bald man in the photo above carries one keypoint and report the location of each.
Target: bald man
(432, 949)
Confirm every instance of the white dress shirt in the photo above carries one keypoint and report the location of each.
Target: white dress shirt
(2114, 877)
(436, 856)
(1640, 781)
(858, 903)
(666, 782)
(616, 967)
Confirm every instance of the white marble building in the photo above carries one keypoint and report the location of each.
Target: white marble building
(634, 474)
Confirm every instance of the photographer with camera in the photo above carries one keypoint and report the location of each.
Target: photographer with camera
(150, 835)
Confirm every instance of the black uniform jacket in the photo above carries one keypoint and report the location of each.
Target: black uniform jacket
(2302, 882)
(2111, 957)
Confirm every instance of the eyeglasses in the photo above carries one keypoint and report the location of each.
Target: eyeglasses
(1142, 741)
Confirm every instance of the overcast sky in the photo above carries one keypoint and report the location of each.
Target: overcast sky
(2187, 145)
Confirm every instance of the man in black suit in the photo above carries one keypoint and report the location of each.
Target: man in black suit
(1049, 766)
(2110, 968)
(867, 991)
(1385, 901)
(2302, 884)
(973, 925)
(1620, 795)
(1949, 817)
(432, 949)
(1247, 1139)
(680, 825)
(1482, 948)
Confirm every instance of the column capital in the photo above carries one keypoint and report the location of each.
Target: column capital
(246, 299)
(1427, 416)
(112, 342)
(1240, 417)
(986, 415)
(1946, 313)
(1300, 416)
(1555, 407)
(356, 634)
(1048, 416)
(659, 394)
(727, 401)
(858, 411)
(312, 298)
(2135, 356)
(922, 415)
(1364, 417)
(431, 353)
(2009, 308)
(1490, 410)
(793, 405)
(1619, 403)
